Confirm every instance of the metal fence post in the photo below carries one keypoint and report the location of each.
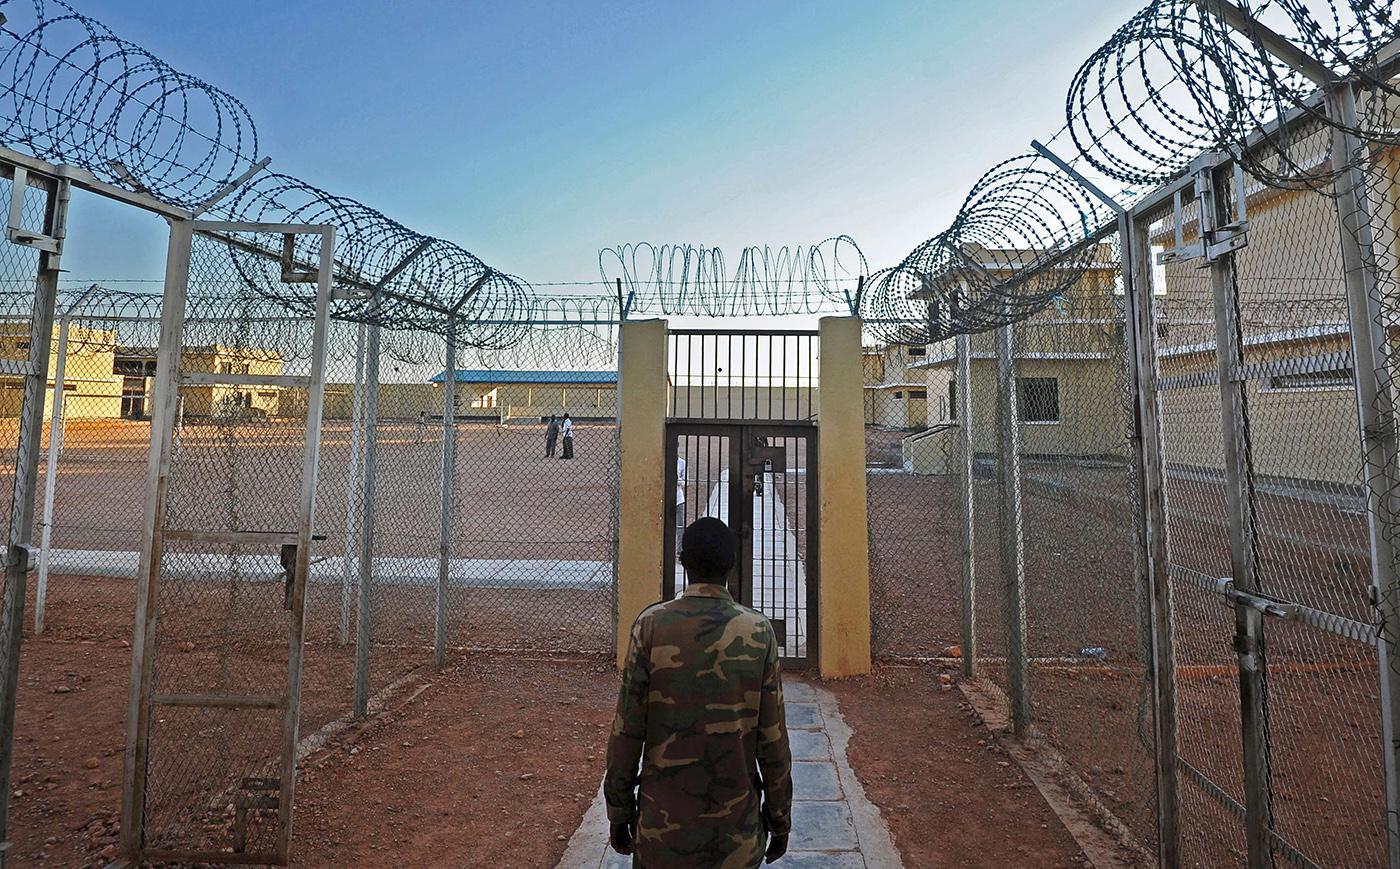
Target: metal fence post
(163, 423)
(56, 435)
(353, 484)
(41, 587)
(1012, 546)
(1239, 495)
(371, 435)
(969, 506)
(449, 478)
(1375, 405)
(1141, 336)
(31, 432)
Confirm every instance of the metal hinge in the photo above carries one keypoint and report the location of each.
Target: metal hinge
(14, 225)
(1212, 241)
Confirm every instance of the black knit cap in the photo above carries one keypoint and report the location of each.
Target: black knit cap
(708, 549)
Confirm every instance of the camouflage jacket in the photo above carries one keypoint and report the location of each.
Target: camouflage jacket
(703, 695)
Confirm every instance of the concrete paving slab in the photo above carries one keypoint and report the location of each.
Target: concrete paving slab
(815, 780)
(798, 692)
(822, 826)
(802, 716)
(809, 745)
(822, 860)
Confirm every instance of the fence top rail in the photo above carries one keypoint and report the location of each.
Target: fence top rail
(776, 333)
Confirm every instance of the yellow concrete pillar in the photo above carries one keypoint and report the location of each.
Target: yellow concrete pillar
(641, 495)
(844, 553)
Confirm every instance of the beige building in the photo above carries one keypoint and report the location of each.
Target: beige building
(91, 389)
(896, 396)
(1071, 392)
(527, 395)
(1293, 327)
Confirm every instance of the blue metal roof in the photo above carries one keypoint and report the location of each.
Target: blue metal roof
(575, 378)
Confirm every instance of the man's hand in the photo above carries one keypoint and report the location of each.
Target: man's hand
(777, 847)
(621, 837)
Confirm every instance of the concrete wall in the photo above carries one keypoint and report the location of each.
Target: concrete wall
(642, 490)
(843, 553)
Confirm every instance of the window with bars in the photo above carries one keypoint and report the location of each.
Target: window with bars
(952, 399)
(1040, 399)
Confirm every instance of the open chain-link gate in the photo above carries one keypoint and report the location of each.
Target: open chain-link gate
(217, 654)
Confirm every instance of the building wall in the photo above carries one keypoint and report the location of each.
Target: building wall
(1093, 413)
(512, 401)
(1308, 434)
(91, 390)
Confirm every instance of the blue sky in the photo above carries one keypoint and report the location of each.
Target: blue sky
(534, 133)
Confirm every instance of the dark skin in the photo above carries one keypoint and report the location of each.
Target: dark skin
(621, 840)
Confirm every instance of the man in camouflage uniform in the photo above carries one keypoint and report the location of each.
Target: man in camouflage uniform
(703, 696)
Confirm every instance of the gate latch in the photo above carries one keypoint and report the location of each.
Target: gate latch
(1225, 587)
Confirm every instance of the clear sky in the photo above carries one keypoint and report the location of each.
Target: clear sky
(534, 133)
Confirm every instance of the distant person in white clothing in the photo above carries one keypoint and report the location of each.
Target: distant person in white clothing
(680, 502)
(567, 429)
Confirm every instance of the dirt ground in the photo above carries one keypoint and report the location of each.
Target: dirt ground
(493, 765)
(951, 797)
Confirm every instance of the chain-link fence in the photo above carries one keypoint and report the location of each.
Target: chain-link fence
(1231, 702)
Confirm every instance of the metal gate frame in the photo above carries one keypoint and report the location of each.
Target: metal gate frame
(143, 699)
(739, 460)
(19, 549)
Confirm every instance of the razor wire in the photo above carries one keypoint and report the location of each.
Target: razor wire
(1174, 81)
(695, 280)
(578, 332)
(80, 95)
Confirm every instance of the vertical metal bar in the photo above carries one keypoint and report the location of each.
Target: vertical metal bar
(1249, 627)
(1375, 406)
(449, 480)
(672, 453)
(41, 588)
(31, 432)
(364, 615)
(969, 517)
(811, 480)
(143, 642)
(352, 485)
(311, 463)
(1012, 546)
(729, 381)
(1141, 337)
(769, 369)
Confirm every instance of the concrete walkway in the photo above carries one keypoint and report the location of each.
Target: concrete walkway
(779, 572)
(833, 825)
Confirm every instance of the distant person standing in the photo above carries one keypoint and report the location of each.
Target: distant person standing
(568, 431)
(551, 436)
(680, 502)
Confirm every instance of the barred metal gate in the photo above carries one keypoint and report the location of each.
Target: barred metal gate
(741, 445)
(217, 655)
(758, 479)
